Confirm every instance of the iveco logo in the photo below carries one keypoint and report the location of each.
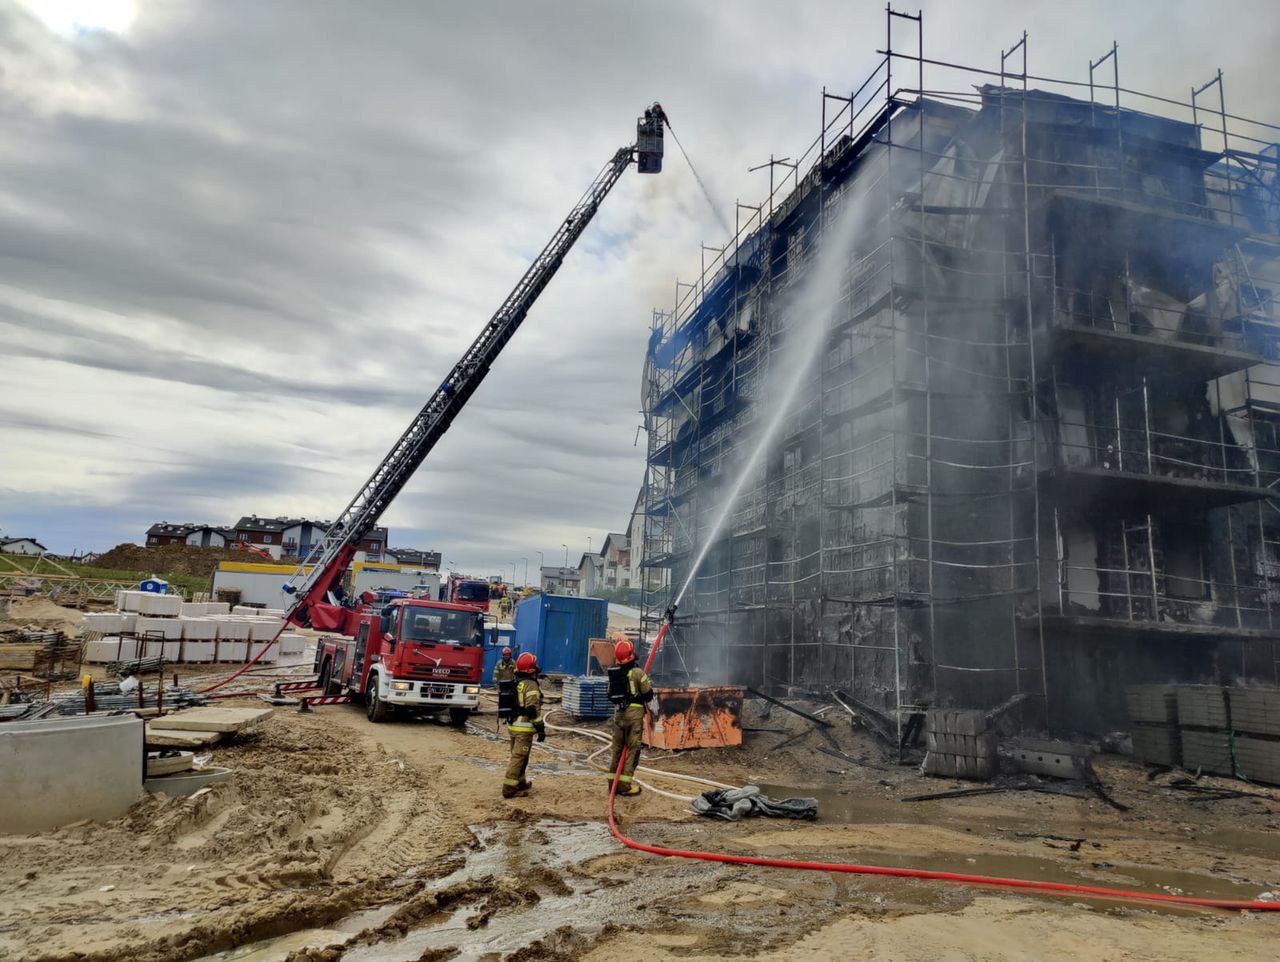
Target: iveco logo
(436, 660)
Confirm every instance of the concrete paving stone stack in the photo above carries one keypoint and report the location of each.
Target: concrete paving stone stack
(1207, 751)
(1202, 706)
(104, 622)
(292, 643)
(128, 621)
(264, 629)
(169, 606)
(1255, 720)
(960, 744)
(233, 629)
(199, 629)
(270, 652)
(1153, 710)
(169, 629)
(160, 648)
(109, 649)
(233, 651)
(217, 608)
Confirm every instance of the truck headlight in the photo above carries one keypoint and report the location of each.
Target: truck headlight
(472, 689)
(402, 686)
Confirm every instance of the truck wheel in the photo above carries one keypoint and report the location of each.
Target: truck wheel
(374, 706)
(327, 685)
(458, 716)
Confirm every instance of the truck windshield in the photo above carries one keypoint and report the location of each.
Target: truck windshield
(473, 591)
(430, 624)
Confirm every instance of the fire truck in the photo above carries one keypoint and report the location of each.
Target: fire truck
(472, 592)
(420, 654)
(410, 656)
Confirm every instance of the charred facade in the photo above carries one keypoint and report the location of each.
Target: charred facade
(1039, 455)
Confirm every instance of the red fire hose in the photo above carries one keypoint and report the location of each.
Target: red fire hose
(1057, 887)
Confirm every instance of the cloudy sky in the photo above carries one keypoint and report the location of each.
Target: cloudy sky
(240, 241)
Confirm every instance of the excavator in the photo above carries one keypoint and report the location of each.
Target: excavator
(417, 655)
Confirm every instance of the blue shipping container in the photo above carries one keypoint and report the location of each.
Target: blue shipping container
(556, 628)
(493, 650)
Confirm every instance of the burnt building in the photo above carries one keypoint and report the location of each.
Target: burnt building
(1038, 453)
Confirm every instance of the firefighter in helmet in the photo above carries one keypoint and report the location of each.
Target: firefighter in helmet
(505, 670)
(526, 722)
(630, 690)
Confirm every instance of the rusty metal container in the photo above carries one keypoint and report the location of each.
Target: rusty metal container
(695, 718)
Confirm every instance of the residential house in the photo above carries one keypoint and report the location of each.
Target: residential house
(300, 535)
(22, 546)
(561, 581)
(591, 575)
(617, 561)
(166, 532)
(208, 536)
(265, 533)
(430, 560)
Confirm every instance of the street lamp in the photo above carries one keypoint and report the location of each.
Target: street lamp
(526, 573)
(588, 544)
(566, 556)
(513, 572)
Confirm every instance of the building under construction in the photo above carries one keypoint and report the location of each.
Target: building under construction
(1039, 453)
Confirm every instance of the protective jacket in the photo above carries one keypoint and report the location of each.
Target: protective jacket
(504, 670)
(528, 715)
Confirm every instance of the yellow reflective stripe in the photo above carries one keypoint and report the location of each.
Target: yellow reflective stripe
(519, 727)
(513, 782)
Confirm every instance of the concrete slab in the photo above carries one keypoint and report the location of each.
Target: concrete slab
(220, 718)
(164, 738)
(68, 769)
(186, 783)
(158, 765)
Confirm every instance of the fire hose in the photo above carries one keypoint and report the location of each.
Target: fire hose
(938, 876)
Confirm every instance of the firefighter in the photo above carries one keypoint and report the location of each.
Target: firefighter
(525, 723)
(630, 690)
(504, 670)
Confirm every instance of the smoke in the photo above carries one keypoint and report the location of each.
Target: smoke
(811, 313)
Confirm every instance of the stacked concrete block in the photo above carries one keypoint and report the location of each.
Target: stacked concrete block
(243, 610)
(167, 606)
(1206, 731)
(264, 629)
(130, 600)
(1255, 721)
(233, 651)
(217, 608)
(199, 651)
(169, 650)
(169, 629)
(1202, 706)
(1153, 710)
(269, 653)
(111, 648)
(960, 744)
(128, 621)
(292, 643)
(199, 629)
(105, 622)
(233, 629)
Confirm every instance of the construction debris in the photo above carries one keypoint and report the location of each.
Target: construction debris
(46, 654)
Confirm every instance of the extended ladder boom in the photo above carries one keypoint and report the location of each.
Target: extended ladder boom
(323, 569)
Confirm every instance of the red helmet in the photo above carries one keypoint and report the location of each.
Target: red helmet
(526, 662)
(624, 652)
(506, 652)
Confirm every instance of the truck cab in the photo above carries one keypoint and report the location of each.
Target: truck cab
(470, 592)
(408, 656)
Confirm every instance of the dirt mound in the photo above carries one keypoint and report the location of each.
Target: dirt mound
(44, 614)
(169, 559)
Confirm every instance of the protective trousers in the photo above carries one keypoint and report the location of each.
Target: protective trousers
(521, 744)
(628, 728)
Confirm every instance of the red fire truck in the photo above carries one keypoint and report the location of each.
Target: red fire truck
(409, 656)
(472, 592)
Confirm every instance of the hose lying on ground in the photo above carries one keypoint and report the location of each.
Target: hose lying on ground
(963, 878)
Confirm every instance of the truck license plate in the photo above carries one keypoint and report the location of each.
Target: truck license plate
(437, 691)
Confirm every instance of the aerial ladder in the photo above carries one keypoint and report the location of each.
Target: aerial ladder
(315, 586)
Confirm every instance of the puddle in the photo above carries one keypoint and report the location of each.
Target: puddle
(505, 849)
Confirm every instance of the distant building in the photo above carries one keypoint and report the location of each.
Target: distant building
(266, 533)
(300, 536)
(167, 532)
(561, 581)
(22, 546)
(412, 556)
(617, 561)
(207, 536)
(591, 575)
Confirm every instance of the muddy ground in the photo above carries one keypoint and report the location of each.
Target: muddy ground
(340, 840)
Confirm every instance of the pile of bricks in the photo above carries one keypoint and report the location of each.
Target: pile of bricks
(961, 744)
(1208, 728)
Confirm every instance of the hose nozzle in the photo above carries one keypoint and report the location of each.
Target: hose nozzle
(670, 615)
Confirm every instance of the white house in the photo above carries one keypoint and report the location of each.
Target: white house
(560, 581)
(22, 546)
(617, 561)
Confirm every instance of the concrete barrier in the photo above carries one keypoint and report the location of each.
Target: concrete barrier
(70, 769)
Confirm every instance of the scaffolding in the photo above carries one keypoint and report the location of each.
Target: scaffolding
(1052, 367)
